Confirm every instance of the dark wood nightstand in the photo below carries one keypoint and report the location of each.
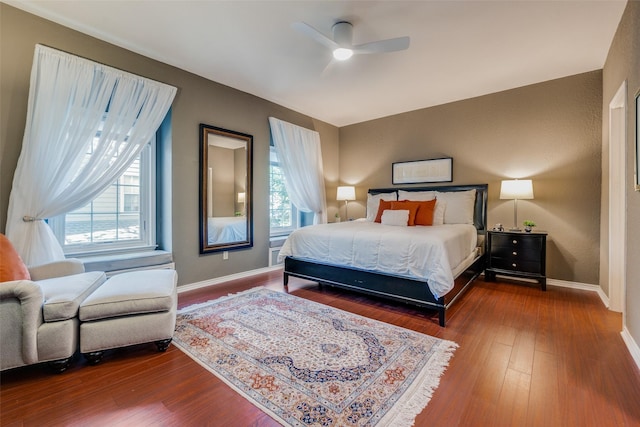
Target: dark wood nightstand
(517, 253)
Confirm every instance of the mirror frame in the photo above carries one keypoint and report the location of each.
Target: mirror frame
(205, 247)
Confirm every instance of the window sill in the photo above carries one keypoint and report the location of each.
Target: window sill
(277, 241)
(127, 261)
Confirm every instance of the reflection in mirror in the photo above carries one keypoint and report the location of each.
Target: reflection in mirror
(225, 189)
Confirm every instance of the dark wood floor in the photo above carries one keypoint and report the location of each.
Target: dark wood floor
(526, 358)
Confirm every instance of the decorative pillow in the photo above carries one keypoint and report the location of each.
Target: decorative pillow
(426, 209)
(11, 265)
(416, 195)
(412, 207)
(395, 217)
(459, 206)
(384, 205)
(373, 201)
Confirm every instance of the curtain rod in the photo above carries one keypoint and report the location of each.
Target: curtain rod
(99, 63)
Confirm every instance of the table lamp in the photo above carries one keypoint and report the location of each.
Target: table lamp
(346, 193)
(516, 189)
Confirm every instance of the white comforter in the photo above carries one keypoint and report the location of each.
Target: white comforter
(420, 252)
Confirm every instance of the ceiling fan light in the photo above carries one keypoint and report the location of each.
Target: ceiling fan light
(342, 54)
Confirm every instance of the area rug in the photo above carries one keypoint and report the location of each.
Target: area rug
(307, 364)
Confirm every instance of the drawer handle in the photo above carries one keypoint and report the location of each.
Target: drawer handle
(513, 265)
(514, 253)
(515, 242)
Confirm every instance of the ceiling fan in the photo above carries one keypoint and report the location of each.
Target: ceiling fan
(342, 42)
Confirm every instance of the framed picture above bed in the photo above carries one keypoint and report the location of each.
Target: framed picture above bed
(422, 171)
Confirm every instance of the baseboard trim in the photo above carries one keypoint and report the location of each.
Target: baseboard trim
(632, 346)
(584, 286)
(219, 280)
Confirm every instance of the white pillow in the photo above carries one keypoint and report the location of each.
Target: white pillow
(373, 203)
(398, 217)
(438, 212)
(418, 196)
(459, 206)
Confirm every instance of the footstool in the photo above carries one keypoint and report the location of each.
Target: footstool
(129, 308)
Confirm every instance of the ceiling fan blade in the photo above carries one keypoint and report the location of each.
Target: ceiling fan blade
(381, 46)
(309, 31)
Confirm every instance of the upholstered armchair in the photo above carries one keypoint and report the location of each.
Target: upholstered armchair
(39, 311)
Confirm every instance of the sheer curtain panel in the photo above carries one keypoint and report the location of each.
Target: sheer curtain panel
(69, 99)
(300, 156)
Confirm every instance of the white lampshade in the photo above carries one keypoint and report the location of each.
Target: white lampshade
(346, 193)
(516, 189)
(241, 197)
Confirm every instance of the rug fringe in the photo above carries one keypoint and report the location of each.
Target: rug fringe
(404, 415)
(204, 304)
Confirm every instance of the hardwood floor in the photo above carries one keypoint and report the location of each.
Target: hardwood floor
(526, 358)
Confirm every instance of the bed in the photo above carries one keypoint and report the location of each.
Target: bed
(412, 278)
(226, 229)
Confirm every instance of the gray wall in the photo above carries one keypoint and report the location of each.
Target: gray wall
(549, 132)
(623, 63)
(198, 101)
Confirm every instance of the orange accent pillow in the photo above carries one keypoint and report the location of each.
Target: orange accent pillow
(426, 212)
(11, 265)
(383, 206)
(412, 207)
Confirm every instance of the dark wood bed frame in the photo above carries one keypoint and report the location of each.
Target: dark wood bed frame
(411, 291)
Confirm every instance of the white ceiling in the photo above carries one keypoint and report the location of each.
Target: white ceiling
(459, 49)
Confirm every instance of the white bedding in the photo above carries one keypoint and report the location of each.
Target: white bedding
(227, 229)
(428, 253)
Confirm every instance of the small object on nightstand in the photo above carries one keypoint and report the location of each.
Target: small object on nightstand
(518, 254)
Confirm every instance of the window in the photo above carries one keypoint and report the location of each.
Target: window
(283, 214)
(121, 218)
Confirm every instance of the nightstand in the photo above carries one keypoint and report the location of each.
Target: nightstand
(517, 253)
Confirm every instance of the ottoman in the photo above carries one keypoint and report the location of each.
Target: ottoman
(129, 308)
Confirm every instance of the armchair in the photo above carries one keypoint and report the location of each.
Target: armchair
(39, 317)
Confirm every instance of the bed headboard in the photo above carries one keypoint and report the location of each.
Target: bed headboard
(480, 207)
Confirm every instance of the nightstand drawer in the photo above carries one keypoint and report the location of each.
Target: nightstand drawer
(526, 243)
(516, 253)
(516, 265)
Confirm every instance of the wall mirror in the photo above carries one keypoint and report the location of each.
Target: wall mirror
(225, 189)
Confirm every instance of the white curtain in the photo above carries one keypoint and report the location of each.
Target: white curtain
(68, 99)
(300, 156)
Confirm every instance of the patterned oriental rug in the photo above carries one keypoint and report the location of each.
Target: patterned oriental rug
(307, 364)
